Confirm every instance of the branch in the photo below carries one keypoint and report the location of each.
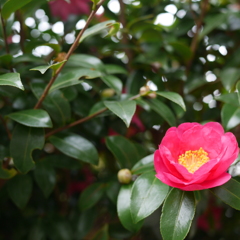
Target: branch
(84, 119)
(198, 22)
(70, 51)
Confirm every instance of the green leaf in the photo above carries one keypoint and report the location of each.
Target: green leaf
(144, 165)
(112, 190)
(91, 195)
(177, 214)
(75, 146)
(230, 116)
(229, 98)
(163, 110)
(55, 104)
(98, 107)
(19, 189)
(11, 6)
(11, 79)
(43, 69)
(32, 118)
(229, 193)
(123, 209)
(124, 109)
(114, 29)
(182, 49)
(125, 151)
(73, 78)
(114, 69)
(24, 141)
(45, 177)
(97, 29)
(229, 76)
(174, 97)
(113, 82)
(148, 193)
(85, 61)
(238, 92)
(212, 22)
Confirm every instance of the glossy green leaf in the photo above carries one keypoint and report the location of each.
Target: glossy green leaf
(75, 146)
(144, 165)
(163, 110)
(124, 109)
(24, 141)
(56, 105)
(112, 190)
(11, 6)
(211, 23)
(85, 61)
(238, 92)
(11, 79)
(45, 177)
(229, 77)
(114, 69)
(73, 78)
(148, 193)
(229, 193)
(98, 107)
(32, 118)
(113, 82)
(229, 98)
(174, 97)
(230, 116)
(43, 69)
(91, 195)
(114, 29)
(125, 151)
(19, 189)
(123, 209)
(97, 29)
(177, 214)
(182, 49)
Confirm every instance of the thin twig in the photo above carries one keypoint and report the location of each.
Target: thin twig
(83, 119)
(71, 50)
(5, 126)
(194, 44)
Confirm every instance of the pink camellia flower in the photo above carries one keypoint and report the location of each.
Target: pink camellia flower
(195, 157)
(62, 9)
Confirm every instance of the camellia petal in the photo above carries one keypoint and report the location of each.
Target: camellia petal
(195, 157)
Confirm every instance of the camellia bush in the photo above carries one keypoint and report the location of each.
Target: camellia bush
(119, 120)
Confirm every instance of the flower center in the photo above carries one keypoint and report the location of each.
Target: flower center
(193, 160)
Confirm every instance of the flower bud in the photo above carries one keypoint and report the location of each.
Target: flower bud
(152, 95)
(108, 92)
(144, 90)
(124, 176)
(60, 57)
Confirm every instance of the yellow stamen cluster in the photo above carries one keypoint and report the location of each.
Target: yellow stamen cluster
(193, 160)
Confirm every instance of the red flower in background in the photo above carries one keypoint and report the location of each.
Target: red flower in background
(79, 186)
(62, 9)
(194, 156)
